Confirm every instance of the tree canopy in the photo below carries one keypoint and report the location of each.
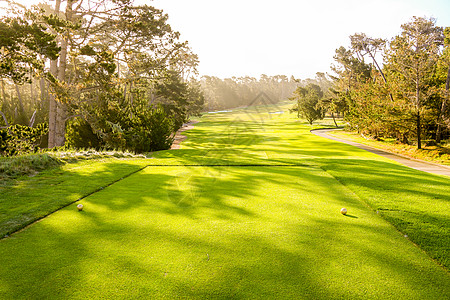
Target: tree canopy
(405, 97)
(110, 74)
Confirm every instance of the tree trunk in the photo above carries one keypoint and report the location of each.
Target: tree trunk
(43, 89)
(5, 120)
(443, 108)
(334, 120)
(52, 102)
(61, 110)
(20, 117)
(381, 72)
(419, 141)
(33, 100)
(418, 129)
(19, 97)
(3, 90)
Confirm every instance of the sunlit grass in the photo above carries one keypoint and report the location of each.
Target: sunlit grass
(436, 154)
(248, 208)
(28, 199)
(227, 232)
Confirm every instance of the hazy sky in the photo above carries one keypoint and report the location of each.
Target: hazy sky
(289, 37)
(251, 37)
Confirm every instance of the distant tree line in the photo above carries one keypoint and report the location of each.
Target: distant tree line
(243, 91)
(398, 88)
(102, 74)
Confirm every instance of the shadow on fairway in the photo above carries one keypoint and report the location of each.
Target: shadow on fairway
(351, 216)
(411, 200)
(134, 238)
(236, 232)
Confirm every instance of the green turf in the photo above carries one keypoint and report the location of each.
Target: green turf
(30, 198)
(248, 208)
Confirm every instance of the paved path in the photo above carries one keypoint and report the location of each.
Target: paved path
(412, 163)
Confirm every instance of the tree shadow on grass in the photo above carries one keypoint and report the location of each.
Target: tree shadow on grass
(131, 241)
(411, 200)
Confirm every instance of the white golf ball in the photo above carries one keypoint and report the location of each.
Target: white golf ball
(344, 211)
(80, 207)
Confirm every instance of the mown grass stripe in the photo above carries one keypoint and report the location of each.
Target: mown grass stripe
(28, 224)
(241, 165)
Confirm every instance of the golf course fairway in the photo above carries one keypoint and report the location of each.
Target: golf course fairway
(248, 208)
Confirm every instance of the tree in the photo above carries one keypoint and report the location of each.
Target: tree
(119, 77)
(308, 99)
(23, 40)
(109, 43)
(351, 74)
(242, 91)
(411, 58)
(443, 119)
(364, 45)
(24, 43)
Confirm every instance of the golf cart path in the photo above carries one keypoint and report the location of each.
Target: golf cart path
(178, 138)
(412, 163)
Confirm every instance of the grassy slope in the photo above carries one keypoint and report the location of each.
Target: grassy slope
(435, 154)
(238, 232)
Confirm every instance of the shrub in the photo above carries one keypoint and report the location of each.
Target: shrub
(151, 131)
(19, 139)
(79, 134)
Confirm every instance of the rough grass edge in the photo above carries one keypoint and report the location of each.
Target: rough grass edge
(31, 164)
(26, 165)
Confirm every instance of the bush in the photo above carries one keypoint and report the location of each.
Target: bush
(151, 131)
(79, 134)
(160, 131)
(19, 139)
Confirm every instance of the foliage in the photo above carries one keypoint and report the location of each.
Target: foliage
(201, 220)
(243, 91)
(151, 130)
(79, 135)
(308, 100)
(114, 57)
(22, 44)
(411, 62)
(112, 124)
(404, 98)
(20, 139)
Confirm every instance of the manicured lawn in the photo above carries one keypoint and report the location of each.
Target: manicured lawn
(29, 199)
(248, 208)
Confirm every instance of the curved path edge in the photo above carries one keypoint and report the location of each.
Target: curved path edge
(178, 138)
(409, 162)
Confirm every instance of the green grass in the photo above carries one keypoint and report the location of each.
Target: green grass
(436, 154)
(248, 208)
(30, 198)
(29, 165)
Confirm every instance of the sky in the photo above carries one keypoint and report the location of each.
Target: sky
(284, 37)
